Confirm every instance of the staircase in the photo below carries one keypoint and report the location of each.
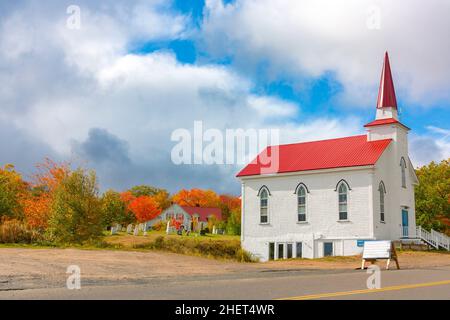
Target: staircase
(433, 238)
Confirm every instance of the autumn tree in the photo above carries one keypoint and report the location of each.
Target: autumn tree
(114, 209)
(197, 198)
(145, 208)
(227, 204)
(12, 189)
(37, 202)
(36, 207)
(163, 199)
(433, 195)
(144, 190)
(76, 209)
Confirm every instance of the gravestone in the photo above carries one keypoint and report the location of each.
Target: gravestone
(119, 227)
(129, 228)
(113, 231)
(136, 231)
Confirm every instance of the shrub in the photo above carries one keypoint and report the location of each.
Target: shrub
(15, 231)
(160, 226)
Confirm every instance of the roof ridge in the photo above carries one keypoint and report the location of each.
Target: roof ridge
(322, 140)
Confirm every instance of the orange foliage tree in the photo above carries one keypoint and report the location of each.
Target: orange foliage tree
(36, 204)
(197, 198)
(144, 208)
(229, 204)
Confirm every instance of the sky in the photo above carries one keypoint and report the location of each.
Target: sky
(108, 93)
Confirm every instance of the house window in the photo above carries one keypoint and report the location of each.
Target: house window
(403, 168)
(169, 216)
(299, 247)
(328, 249)
(301, 203)
(382, 191)
(264, 199)
(343, 196)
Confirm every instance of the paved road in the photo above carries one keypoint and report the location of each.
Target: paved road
(427, 283)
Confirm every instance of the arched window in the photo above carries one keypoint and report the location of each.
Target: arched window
(382, 191)
(264, 201)
(403, 168)
(301, 204)
(343, 197)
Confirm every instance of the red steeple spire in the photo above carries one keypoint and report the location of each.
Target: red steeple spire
(386, 93)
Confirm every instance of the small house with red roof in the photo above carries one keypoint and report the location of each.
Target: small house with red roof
(191, 218)
(325, 198)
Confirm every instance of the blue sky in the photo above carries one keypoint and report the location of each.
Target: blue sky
(110, 94)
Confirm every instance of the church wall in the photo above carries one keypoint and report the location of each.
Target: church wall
(322, 212)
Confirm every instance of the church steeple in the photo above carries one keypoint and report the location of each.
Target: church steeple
(386, 92)
(387, 102)
(386, 124)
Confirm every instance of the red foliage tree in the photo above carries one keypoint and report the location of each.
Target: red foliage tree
(144, 208)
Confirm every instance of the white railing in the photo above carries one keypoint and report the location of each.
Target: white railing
(433, 238)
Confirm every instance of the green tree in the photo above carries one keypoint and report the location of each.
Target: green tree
(12, 188)
(76, 209)
(114, 209)
(433, 195)
(144, 190)
(234, 222)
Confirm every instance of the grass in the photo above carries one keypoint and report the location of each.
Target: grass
(130, 240)
(209, 245)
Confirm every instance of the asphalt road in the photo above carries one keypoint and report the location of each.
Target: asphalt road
(427, 283)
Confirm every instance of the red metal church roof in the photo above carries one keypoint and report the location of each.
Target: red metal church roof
(325, 154)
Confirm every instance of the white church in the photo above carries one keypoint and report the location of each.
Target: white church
(325, 198)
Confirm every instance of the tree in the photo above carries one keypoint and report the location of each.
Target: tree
(145, 208)
(163, 199)
(36, 203)
(76, 209)
(197, 198)
(234, 222)
(114, 209)
(12, 189)
(36, 207)
(145, 190)
(433, 195)
(227, 204)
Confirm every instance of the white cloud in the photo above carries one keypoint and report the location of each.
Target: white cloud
(63, 84)
(311, 37)
(434, 145)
